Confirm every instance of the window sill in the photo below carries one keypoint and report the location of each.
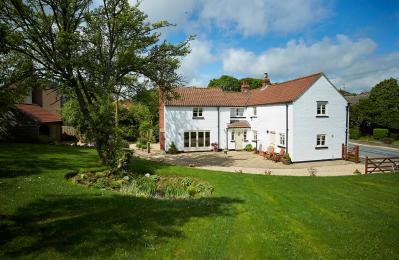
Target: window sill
(198, 117)
(254, 140)
(237, 117)
(322, 116)
(321, 147)
(254, 116)
(232, 141)
(281, 146)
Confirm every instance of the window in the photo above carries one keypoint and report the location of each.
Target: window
(255, 134)
(197, 112)
(237, 112)
(321, 108)
(321, 140)
(254, 111)
(245, 135)
(197, 139)
(232, 135)
(282, 139)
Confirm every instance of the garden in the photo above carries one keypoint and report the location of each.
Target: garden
(47, 213)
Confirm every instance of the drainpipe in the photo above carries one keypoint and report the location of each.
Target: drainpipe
(347, 124)
(218, 127)
(227, 139)
(286, 127)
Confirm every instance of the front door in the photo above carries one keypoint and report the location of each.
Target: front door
(272, 138)
(239, 139)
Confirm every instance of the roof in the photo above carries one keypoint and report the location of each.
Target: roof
(356, 98)
(276, 93)
(38, 113)
(239, 124)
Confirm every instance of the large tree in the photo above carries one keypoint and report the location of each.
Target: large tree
(230, 83)
(91, 55)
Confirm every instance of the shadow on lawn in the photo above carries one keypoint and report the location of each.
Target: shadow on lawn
(98, 226)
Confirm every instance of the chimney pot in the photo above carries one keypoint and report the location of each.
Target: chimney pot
(244, 86)
(266, 81)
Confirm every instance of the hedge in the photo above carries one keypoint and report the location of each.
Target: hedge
(379, 133)
(354, 133)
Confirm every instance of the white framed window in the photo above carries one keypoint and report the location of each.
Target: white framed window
(197, 139)
(321, 108)
(245, 135)
(197, 112)
(237, 112)
(255, 135)
(321, 140)
(282, 139)
(232, 136)
(254, 112)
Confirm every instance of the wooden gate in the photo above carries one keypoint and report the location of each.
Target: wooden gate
(388, 164)
(350, 154)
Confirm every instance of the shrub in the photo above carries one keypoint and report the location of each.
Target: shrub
(192, 191)
(379, 133)
(387, 140)
(175, 191)
(354, 133)
(186, 181)
(249, 148)
(394, 136)
(172, 148)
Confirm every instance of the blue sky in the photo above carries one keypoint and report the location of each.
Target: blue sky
(356, 43)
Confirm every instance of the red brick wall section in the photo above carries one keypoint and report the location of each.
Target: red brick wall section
(161, 118)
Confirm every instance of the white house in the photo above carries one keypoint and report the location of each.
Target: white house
(307, 117)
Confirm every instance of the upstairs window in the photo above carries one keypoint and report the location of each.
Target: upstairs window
(197, 112)
(282, 140)
(237, 112)
(321, 108)
(321, 140)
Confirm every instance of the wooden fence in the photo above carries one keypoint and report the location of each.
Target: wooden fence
(388, 164)
(350, 154)
(69, 130)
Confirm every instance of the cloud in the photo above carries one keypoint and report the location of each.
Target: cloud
(249, 18)
(350, 63)
(201, 55)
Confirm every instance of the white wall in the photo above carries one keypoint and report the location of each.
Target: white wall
(180, 119)
(306, 125)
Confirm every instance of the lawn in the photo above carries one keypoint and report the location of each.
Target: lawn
(42, 215)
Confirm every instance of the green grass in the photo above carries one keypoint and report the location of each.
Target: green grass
(250, 216)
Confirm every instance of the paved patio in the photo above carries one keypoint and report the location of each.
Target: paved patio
(247, 162)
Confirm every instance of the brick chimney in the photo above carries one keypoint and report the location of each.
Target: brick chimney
(162, 118)
(244, 86)
(266, 81)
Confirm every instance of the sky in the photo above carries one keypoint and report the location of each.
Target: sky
(355, 43)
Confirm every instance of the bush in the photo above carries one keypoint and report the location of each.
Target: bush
(354, 133)
(394, 136)
(387, 140)
(379, 133)
(172, 148)
(249, 148)
(186, 181)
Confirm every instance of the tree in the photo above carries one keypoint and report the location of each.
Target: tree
(91, 54)
(385, 98)
(230, 83)
(225, 82)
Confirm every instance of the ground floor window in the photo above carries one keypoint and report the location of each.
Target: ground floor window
(245, 135)
(282, 139)
(255, 134)
(321, 140)
(197, 139)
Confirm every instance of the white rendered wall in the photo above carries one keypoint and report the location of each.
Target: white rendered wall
(306, 125)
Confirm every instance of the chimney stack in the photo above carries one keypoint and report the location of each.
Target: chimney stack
(244, 86)
(266, 81)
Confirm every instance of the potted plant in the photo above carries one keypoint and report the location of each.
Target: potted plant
(286, 159)
(215, 147)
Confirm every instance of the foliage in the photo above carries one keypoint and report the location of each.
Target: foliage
(354, 132)
(172, 148)
(230, 83)
(92, 55)
(379, 133)
(381, 109)
(248, 148)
